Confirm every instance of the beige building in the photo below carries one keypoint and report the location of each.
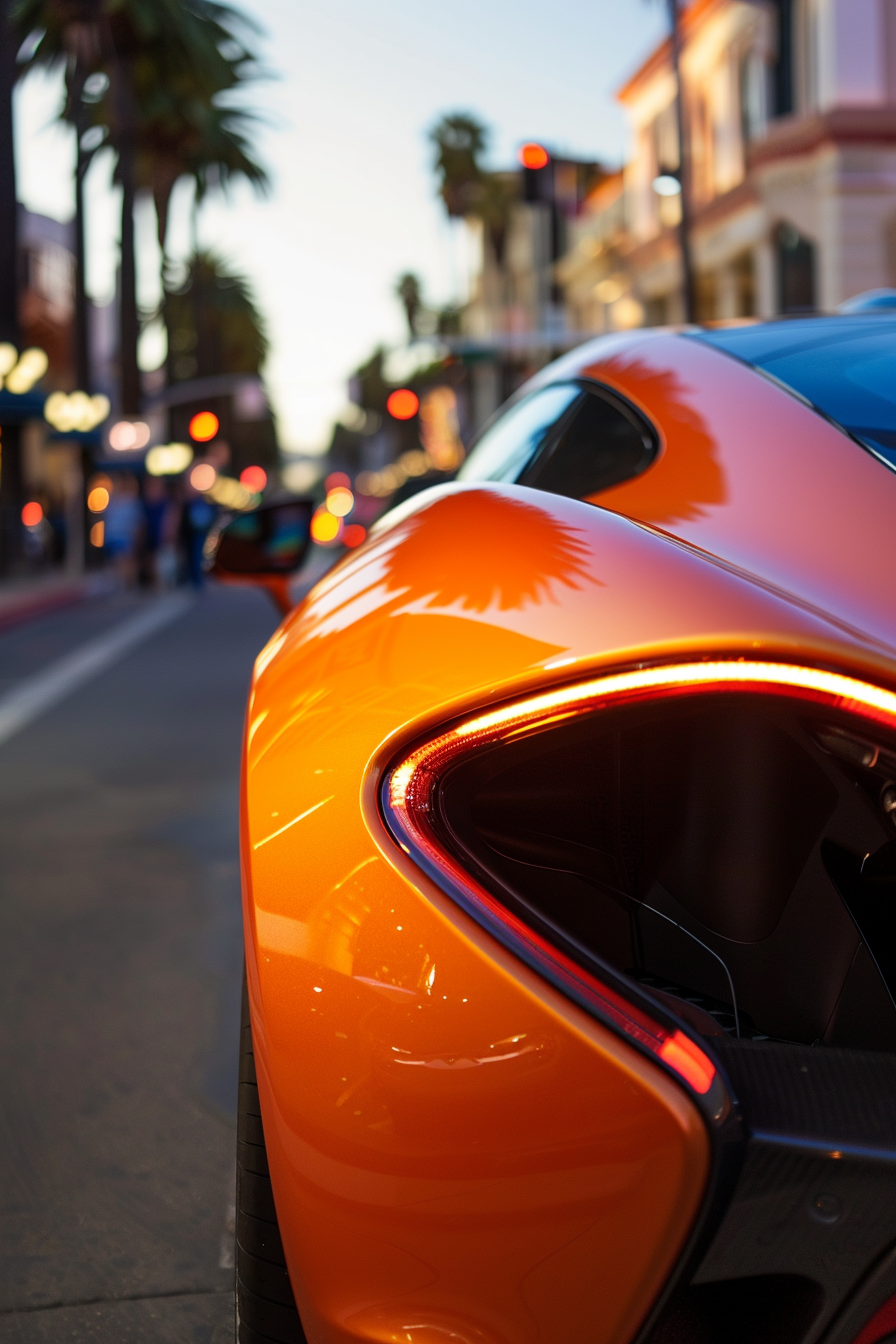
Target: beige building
(791, 117)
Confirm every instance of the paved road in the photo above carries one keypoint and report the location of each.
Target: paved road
(120, 951)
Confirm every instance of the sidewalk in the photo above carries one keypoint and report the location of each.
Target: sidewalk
(23, 599)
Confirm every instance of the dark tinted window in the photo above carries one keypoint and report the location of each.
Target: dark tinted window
(600, 444)
(570, 439)
(845, 366)
(507, 445)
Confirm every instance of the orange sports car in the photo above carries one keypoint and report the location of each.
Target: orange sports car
(569, 845)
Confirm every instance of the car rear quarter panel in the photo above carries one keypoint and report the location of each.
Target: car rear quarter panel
(457, 1151)
(750, 473)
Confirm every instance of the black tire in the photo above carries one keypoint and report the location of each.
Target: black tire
(265, 1307)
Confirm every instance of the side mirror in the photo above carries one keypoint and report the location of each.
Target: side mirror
(264, 548)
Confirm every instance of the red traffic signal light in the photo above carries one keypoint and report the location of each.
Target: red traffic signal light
(403, 404)
(533, 155)
(204, 426)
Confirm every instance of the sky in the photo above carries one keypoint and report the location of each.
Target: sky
(353, 90)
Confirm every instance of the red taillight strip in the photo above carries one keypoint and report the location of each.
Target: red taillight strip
(881, 1325)
(412, 784)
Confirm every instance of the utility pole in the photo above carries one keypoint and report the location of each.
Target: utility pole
(688, 287)
(10, 434)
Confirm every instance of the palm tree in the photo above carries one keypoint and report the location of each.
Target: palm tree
(152, 50)
(408, 291)
(9, 262)
(459, 140)
(225, 331)
(10, 476)
(465, 186)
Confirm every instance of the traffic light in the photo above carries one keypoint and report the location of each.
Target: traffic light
(204, 425)
(538, 173)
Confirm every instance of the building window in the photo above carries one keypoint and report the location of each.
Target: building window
(783, 67)
(796, 271)
(751, 89)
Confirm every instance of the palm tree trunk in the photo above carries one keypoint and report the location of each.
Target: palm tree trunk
(11, 484)
(83, 372)
(9, 251)
(129, 323)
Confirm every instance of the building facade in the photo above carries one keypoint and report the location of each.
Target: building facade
(790, 113)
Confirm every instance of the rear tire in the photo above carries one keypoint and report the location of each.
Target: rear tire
(265, 1307)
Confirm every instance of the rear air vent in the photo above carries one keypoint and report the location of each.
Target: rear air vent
(699, 832)
(752, 1310)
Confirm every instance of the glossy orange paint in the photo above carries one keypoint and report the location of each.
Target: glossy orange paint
(751, 474)
(457, 1150)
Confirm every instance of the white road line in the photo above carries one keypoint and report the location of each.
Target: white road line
(42, 691)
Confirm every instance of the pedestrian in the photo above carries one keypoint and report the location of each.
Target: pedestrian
(123, 519)
(198, 516)
(156, 509)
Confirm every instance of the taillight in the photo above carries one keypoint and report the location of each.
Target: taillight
(882, 1324)
(411, 802)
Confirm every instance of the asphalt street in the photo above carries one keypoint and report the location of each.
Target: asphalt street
(120, 967)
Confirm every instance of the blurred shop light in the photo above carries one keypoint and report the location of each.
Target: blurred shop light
(335, 479)
(533, 155)
(353, 535)
(8, 356)
(254, 479)
(68, 411)
(666, 185)
(414, 463)
(300, 476)
(204, 426)
(325, 526)
(168, 459)
(203, 477)
(626, 313)
(230, 494)
(403, 404)
(30, 366)
(609, 290)
(127, 435)
(380, 484)
(98, 534)
(439, 430)
(340, 501)
(32, 514)
(98, 499)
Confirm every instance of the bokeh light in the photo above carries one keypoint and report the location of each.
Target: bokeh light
(98, 534)
(533, 155)
(203, 476)
(32, 514)
(127, 435)
(325, 526)
(403, 404)
(335, 479)
(67, 411)
(254, 479)
(31, 367)
(98, 499)
(353, 535)
(340, 501)
(204, 426)
(168, 459)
